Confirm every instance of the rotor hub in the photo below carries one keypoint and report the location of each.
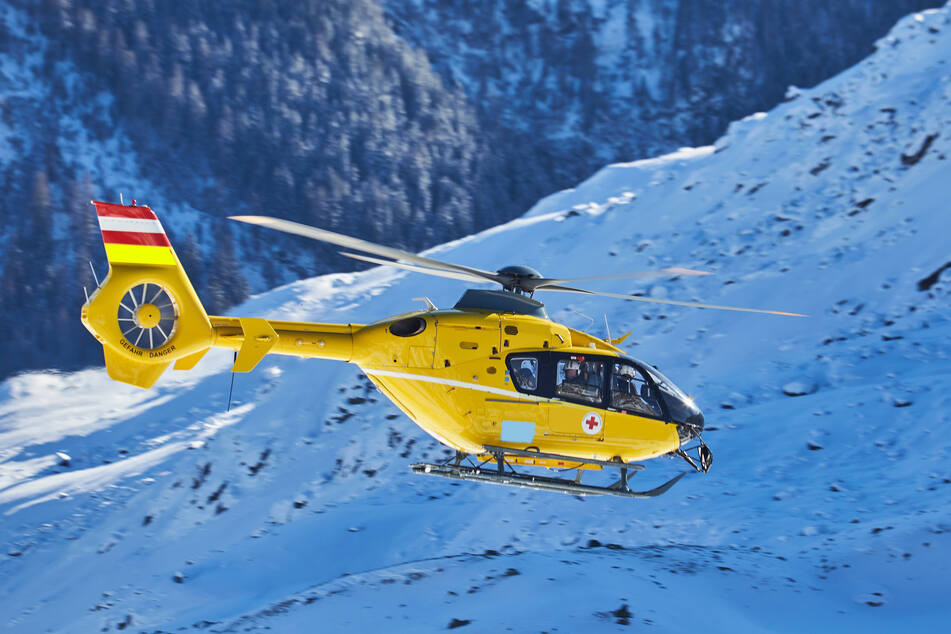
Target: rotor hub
(519, 271)
(516, 274)
(148, 316)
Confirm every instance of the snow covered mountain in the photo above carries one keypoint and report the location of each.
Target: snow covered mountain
(295, 510)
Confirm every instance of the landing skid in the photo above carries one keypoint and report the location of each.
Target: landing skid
(704, 456)
(503, 473)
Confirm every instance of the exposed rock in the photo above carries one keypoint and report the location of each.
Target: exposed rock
(799, 388)
(911, 159)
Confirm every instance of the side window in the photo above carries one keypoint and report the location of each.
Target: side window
(579, 378)
(631, 393)
(525, 372)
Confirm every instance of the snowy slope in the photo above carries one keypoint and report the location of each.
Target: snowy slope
(295, 510)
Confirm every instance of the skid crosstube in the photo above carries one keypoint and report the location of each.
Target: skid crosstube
(508, 451)
(494, 476)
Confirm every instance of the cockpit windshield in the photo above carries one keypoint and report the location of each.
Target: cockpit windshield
(681, 407)
(665, 384)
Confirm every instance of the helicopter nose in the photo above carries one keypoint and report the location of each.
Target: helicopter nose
(697, 420)
(691, 426)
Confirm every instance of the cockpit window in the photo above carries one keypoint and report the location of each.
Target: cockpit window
(578, 378)
(525, 372)
(631, 393)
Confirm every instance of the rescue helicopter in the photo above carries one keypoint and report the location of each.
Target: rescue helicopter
(493, 378)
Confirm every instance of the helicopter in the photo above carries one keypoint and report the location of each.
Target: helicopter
(493, 378)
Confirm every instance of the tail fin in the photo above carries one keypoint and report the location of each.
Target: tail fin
(145, 313)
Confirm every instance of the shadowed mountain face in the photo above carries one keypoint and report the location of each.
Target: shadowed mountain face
(406, 123)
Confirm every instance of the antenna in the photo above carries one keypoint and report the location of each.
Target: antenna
(86, 293)
(606, 326)
(429, 305)
(578, 312)
(231, 389)
(94, 276)
(121, 202)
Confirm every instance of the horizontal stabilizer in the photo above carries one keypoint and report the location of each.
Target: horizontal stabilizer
(618, 340)
(259, 338)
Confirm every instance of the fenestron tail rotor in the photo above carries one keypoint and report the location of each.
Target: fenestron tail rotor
(148, 316)
(517, 279)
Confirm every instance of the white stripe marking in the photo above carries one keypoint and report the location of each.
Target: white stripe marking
(462, 384)
(133, 225)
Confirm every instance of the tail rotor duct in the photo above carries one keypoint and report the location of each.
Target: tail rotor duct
(147, 316)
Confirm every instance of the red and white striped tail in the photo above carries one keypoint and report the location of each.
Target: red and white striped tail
(133, 235)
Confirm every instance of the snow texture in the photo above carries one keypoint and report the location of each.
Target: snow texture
(296, 511)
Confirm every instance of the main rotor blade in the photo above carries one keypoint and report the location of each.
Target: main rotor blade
(288, 226)
(418, 269)
(671, 272)
(653, 300)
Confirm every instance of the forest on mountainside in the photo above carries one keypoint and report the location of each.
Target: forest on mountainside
(313, 108)
(406, 123)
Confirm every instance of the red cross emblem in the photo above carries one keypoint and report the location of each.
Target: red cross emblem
(591, 423)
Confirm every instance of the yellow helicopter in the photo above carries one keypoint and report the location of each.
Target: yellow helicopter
(493, 378)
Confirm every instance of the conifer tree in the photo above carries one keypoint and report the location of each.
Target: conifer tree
(40, 214)
(226, 285)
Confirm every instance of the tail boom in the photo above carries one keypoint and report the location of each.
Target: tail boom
(292, 338)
